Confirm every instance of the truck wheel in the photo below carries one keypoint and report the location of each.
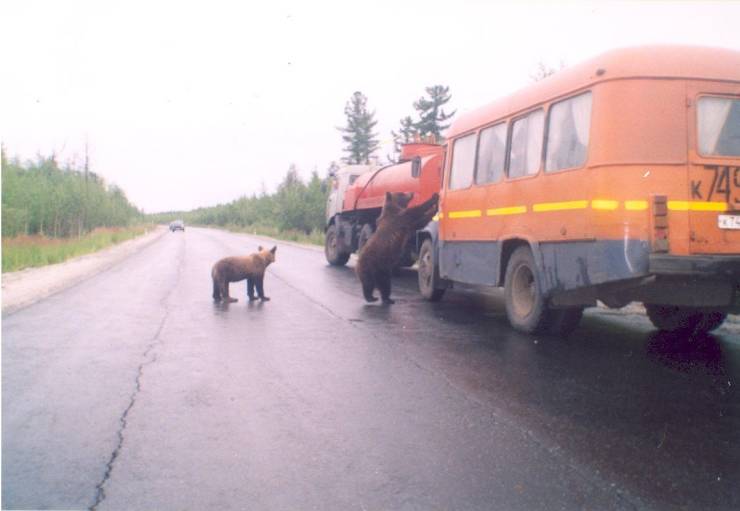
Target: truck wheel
(672, 318)
(525, 305)
(428, 273)
(365, 233)
(331, 250)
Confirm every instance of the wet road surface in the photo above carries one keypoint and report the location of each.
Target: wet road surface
(133, 390)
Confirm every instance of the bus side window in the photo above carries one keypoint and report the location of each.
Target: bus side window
(568, 133)
(491, 154)
(525, 154)
(463, 162)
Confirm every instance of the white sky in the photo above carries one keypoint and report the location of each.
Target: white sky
(189, 104)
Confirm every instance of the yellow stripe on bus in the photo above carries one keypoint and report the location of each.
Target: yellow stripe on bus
(598, 204)
(684, 205)
(473, 213)
(635, 205)
(708, 206)
(605, 204)
(513, 210)
(559, 206)
(678, 205)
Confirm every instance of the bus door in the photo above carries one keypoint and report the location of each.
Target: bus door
(464, 255)
(714, 168)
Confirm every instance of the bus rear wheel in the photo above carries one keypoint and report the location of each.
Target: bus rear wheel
(525, 304)
(331, 250)
(693, 320)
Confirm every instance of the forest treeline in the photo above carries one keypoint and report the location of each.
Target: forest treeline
(42, 198)
(297, 205)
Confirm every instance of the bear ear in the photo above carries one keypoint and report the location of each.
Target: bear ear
(259, 248)
(388, 197)
(273, 249)
(410, 196)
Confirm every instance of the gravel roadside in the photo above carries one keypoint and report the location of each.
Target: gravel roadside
(25, 287)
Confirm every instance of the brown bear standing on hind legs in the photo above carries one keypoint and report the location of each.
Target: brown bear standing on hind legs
(234, 269)
(383, 251)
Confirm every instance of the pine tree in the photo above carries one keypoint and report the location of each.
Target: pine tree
(332, 169)
(358, 134)
(543, 71)
(431, 114)
(406, 134)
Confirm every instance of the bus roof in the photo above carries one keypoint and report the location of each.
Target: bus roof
(688, 62)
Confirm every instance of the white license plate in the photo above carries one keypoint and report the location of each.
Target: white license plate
(729, 221)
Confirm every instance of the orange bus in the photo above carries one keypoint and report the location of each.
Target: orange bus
(615, 180)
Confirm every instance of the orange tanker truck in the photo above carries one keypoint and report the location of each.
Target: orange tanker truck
(358, 193)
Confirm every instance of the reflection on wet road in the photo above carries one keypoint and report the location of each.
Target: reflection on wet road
(134, 390)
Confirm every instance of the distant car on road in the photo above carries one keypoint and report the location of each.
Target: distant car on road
(177, 225)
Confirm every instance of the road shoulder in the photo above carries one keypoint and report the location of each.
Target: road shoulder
(25, 287)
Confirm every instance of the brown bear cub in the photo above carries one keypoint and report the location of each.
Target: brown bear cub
(234, 269)
(383, 251)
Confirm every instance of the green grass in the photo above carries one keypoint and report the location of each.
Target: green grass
(33, 251)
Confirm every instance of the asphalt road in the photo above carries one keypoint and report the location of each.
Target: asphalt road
(133, 390)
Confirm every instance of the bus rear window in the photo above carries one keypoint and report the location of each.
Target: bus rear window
(719, 126)
(568, 133)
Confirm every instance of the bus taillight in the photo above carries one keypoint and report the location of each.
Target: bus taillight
(660, 223)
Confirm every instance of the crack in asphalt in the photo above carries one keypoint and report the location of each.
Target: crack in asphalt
(148, 359)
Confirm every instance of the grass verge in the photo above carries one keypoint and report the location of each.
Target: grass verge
(33, 251)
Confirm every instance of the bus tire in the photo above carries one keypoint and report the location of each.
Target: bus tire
(428, 273)
(331, 251)
(525, 304)
(672, 318)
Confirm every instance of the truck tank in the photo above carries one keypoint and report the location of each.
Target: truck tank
(420, 172)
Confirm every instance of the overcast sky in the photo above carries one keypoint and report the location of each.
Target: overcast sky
(189, 104)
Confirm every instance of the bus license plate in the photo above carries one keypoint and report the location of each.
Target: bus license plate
(729, 221)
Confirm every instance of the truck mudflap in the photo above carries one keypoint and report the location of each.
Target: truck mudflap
(716, 266)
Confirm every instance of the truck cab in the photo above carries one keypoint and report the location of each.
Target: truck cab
(341, 180)
(339, 235)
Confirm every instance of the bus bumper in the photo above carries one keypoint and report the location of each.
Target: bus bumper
(722, 267)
